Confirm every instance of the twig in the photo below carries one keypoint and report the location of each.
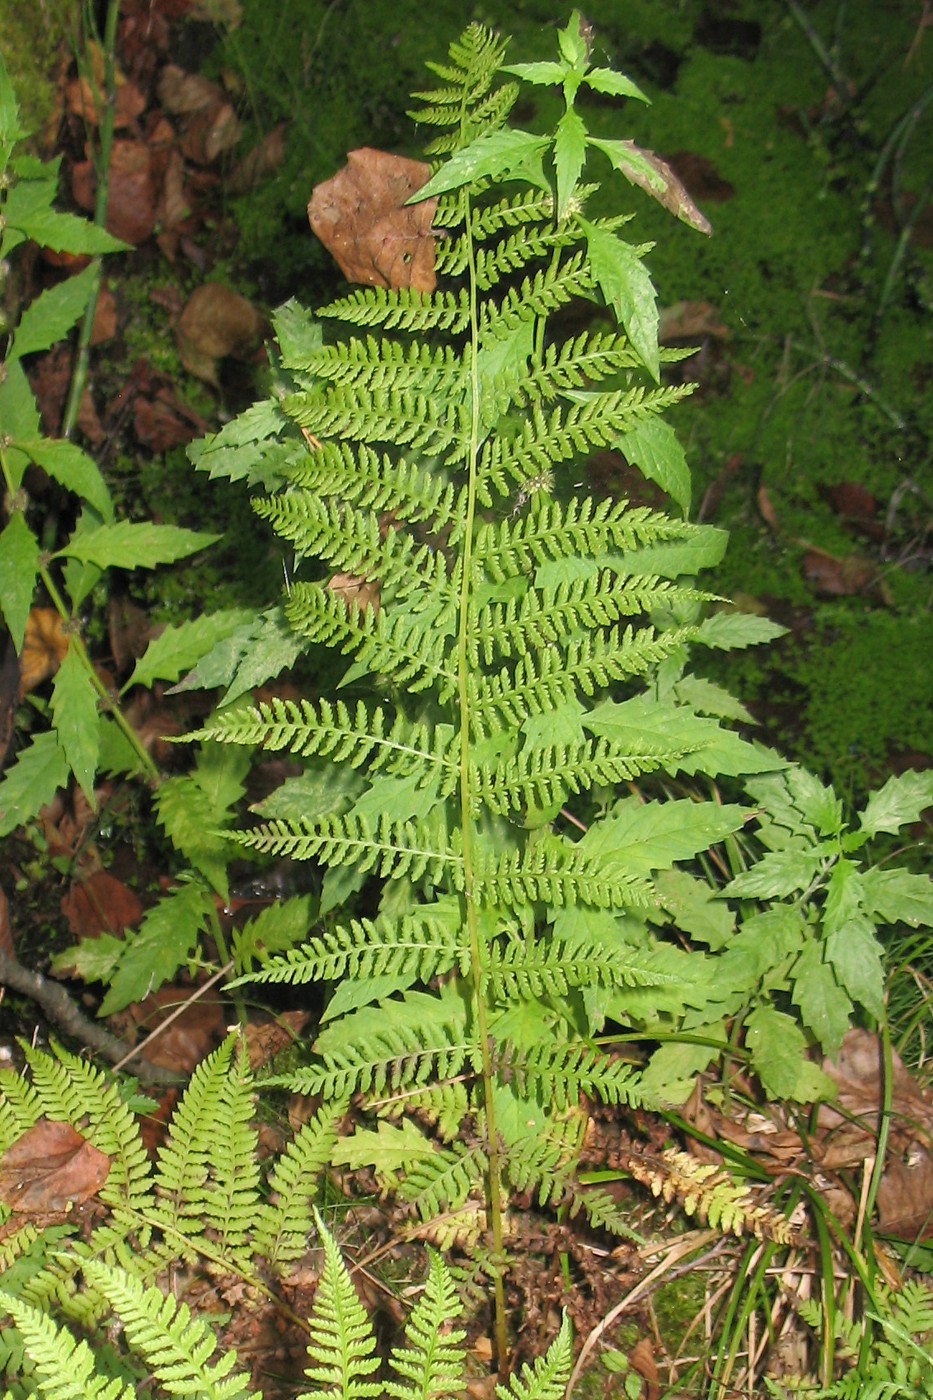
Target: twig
(62, 1012)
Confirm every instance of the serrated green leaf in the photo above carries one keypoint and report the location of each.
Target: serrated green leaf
(708, 698)
(27, 211)
(628, 290)
(694, 908)
(615, 84)
(569, 155)
(817, 803)
(74, 715)
(855, 956)
(653, 175)
(127, 545)
(545, 72)
(167, 935)
(669, 1077)
(180, 647)
(19, 565)
(71, 468)
(825, 1008)
(777, 874)
(703, 550)
(506, 154)
(53, 313)
(19, 417)
(902, 799)
(93, 959)
(778, 1051)
(898, 896)
(196, 808)
(298, 334)
(652, 445)
(644, 837)
(39, 771)
(729, 631)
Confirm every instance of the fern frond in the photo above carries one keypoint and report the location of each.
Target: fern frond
(496, 261)
(342, 1344)
(559, 1074)
(434, 426)
(362, 737)
(403, 310)
(708, 1191)
(432, 1364)
(20, 1106)
(545, 615)
(603, 1212)
(568, 432)
(543, 776)
(409, 648)
(547, 1378)
(183, 1164)
(285, 1221)
(387, 365)
(440, 1183)
(426, 943)
(551, 530)
(397, 1044)
(555, 874)
(389, 848)
(576, 364)
(175, 1346)
(232, 1191)
(65, 1368)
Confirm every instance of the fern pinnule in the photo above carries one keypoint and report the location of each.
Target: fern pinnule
(536, 968)
(175, 1346)
(65, 1368)
(341, 1346)
(431, 1364)
(556, 873)
(440, 1183)
(561, 1073)
(232, 1190)
(392, 849)
(363, 478)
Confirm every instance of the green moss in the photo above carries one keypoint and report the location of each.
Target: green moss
(31, 46)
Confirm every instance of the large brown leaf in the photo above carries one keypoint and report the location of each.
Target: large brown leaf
(50, 1168)
(361, 217)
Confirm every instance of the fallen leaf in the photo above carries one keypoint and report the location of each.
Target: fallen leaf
(691, 320)
(105, 317)
(263, 160)
(181, 92)
(355, 592)
(50, 1168)
(209, 133)
(837, 578)
(197, 1026)
(98, 904)
(131, 197)
(361, 217)
(44, 646)
(216, 322)
(701, 177)
(766, 510)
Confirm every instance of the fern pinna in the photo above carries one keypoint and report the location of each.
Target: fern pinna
(511, 647)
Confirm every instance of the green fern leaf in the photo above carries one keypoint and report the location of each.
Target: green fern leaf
(547, 1378)
(432, 1364)
(340, 1352)
(65, 1368)
(285, 1221)
(441, 1183)
(391, 849)
(561, 1073)
(174, 1345)
(403, 310)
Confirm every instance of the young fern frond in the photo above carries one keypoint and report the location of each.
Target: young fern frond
(432, 1362)
(342, 1344)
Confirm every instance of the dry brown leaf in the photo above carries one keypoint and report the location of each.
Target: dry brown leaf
(691, 320)
(766, 510)
(837, 578)
(131, 196)
(194, 1032)
(355, 592)
(214, 323)
(50, 1168)
(361, 217)
(209, 133)
(100, 904)
(181, 93)
(44, 646)
(263, 160)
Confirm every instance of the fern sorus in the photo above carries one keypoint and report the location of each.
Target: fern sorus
(512, 649)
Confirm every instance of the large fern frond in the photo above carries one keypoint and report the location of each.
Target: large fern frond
(432, 1362)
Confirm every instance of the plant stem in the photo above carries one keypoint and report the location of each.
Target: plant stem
(83, 350)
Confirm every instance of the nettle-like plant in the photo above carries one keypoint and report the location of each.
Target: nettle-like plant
(86, 732)
(515, 648)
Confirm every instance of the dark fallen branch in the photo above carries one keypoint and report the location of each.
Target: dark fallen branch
(62, 1012)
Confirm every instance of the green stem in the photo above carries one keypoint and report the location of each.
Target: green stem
(150, 770)
(82, 355)
(494, 1181)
